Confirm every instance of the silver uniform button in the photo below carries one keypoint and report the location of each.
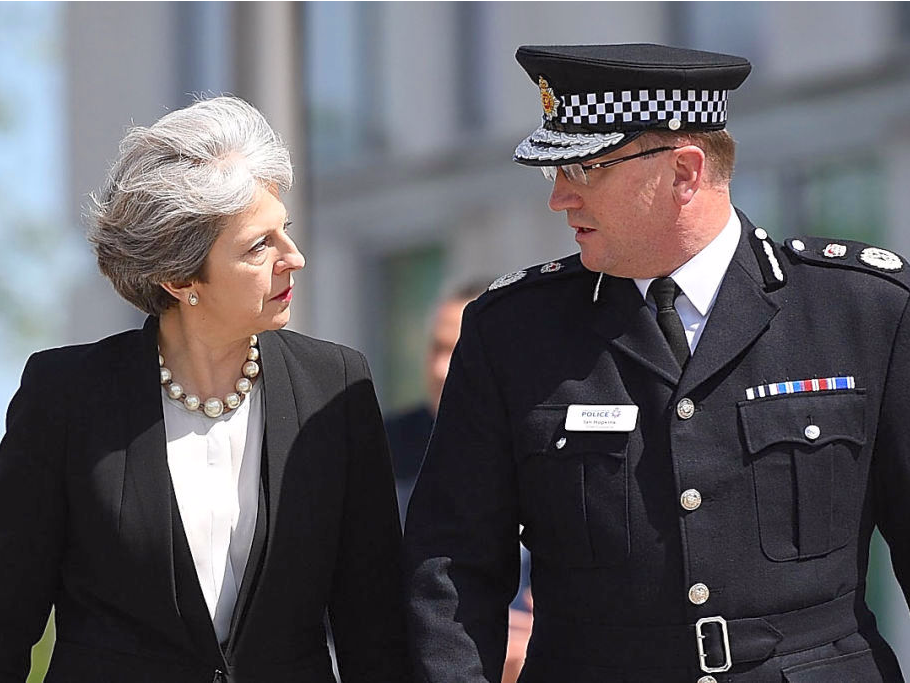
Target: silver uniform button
(707, 679)
(560, 444)
(699, 594)
(798, 245)
(685, 408)
(812, 432)
(690, 499)
(761, 234)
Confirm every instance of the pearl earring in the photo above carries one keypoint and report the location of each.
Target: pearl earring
(193, 299)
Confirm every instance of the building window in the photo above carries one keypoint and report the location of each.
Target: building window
(736, 28)
(343, 83)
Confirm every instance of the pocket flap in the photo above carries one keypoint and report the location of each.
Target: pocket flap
(543, 432)
(806, 419)
(857, 666)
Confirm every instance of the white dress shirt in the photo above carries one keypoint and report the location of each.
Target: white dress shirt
(699, 279)
(214, 465)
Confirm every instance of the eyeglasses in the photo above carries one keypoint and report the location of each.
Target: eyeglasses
(578, 174)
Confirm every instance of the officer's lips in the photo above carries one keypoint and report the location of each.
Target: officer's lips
(581, 230)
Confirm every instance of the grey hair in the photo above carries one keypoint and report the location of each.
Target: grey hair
(174, 183)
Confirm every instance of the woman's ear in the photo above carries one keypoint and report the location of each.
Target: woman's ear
(185, 292)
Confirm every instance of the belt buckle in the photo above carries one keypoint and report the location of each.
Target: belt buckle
(699, 640)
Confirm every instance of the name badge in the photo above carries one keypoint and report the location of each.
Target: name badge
(584, 418)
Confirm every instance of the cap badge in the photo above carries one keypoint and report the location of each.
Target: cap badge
(881, 259)
(507, 279)
(835, 251)
(547, 98)
(550, 267)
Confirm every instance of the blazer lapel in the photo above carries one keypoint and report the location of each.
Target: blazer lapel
(622, 316)
(281, 419)
(145, 514)
(285, 411)
(741, 313)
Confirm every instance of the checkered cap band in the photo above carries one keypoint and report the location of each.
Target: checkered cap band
(625, 106)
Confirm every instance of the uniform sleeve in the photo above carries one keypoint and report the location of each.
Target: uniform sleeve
(32, 509)
(367, 607)
(461, 538)
(891, 458)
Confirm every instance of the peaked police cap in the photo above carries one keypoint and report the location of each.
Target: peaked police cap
(597, 98)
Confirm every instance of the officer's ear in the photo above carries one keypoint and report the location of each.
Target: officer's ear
(688, 168)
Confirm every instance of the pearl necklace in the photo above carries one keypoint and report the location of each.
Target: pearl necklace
(215, 407)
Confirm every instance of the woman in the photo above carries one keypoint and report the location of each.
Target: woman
(193, 496)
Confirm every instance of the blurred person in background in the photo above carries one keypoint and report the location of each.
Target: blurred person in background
(693, 428)
(409, 432)
(193, 496)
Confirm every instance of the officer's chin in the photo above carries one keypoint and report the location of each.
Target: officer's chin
(592, 262)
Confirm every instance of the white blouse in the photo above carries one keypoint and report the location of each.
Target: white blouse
(214, 465)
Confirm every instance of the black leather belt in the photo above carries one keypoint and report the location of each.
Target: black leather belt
(713, 644)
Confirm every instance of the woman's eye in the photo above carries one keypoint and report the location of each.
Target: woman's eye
(288, 224)
(259, 246)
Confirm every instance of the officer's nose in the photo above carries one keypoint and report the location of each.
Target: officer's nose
(564, 194)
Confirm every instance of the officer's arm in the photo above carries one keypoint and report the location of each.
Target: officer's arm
(461, 541)
(891, 459)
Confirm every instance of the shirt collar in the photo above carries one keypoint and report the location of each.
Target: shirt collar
(699, 278)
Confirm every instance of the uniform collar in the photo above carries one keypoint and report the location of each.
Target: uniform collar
(699, 278)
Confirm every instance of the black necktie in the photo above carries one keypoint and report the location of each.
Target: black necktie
(664, 292)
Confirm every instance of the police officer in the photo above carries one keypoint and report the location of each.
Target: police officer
(692, 441)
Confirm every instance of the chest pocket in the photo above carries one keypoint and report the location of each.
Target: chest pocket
(804, 452)
(573, 491)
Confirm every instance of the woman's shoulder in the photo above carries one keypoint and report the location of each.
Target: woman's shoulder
(80, 357)
(66, 372)
(333, 358)
(299, 343)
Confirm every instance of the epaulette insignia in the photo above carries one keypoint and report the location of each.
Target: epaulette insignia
(768, 261)
(541, 273)
(881, 259)
(506, 280)
(550, 267)
(853, 255)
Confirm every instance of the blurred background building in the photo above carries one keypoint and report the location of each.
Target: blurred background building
(402, 118)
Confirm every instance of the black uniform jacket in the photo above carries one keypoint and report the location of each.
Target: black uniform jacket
(90, 525)
(789, 486)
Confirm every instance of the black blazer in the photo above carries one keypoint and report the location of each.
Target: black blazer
(90, 525)
(791, 485)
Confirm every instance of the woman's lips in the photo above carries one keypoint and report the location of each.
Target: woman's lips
(285, 296)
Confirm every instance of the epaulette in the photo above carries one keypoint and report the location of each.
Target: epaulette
(852, 255)
(535, 275)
